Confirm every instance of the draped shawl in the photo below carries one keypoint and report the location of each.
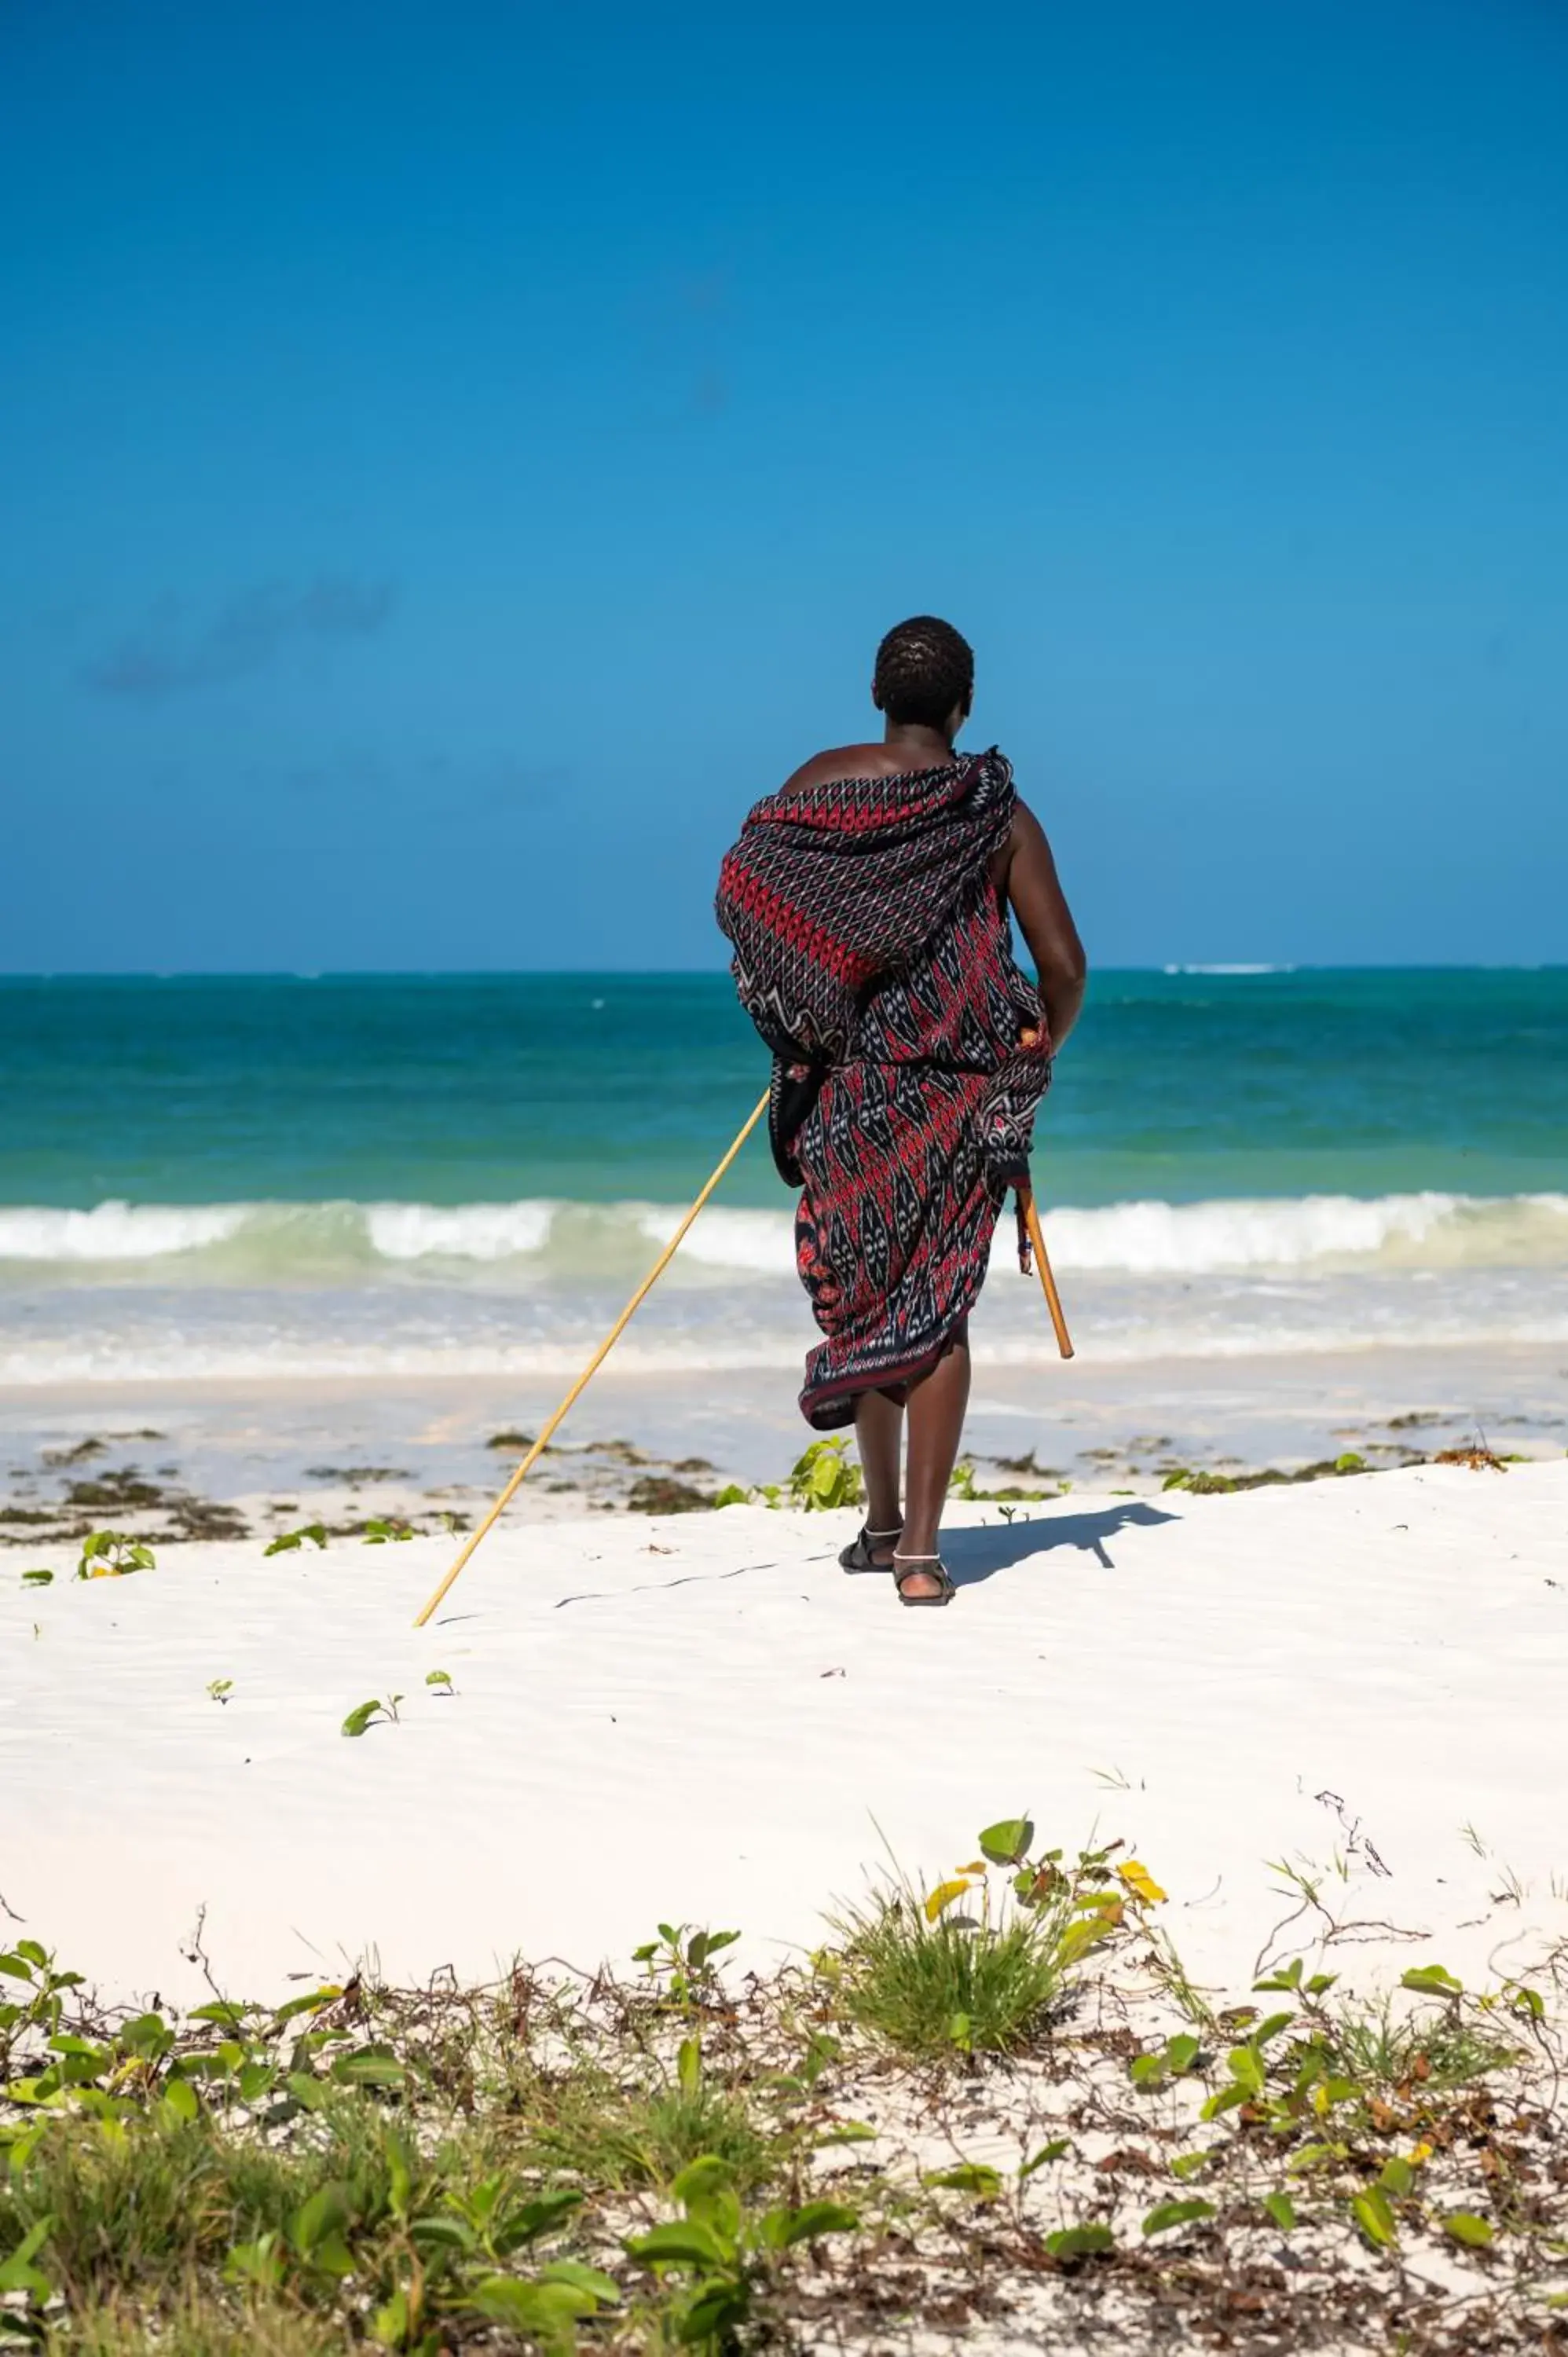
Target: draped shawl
(832, 893)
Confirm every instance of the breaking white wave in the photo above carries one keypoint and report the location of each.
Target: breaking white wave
(466, 1232)
(261, 1244)
(1428, 1231)
(117, 1231)
(761, 1241)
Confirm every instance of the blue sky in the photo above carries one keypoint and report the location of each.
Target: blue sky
(452, 459)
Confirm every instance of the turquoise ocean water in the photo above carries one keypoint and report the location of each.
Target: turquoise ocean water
(404, 1175)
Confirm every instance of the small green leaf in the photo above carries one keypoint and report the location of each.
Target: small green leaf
(1375, 2218)
(545, 2312)
(1190, 2164)
(687, 2245)
(442, 2233)
(259, 2262)
(1281, 2210)
(311, 2001)
(1079, 2242)
(148, 2035)
(359, 1718)
(590, 2281)
(1086, 1932)
(1247, 2070)
(700, 2180)
(17, 2272)
(316, 2230)
(67, 2044)
(326, 2212)
(1474, 2232)
(390, 2323)
(368, 2066)
(716, 2309)
(1431, 1980)
(441, 1680)
(286, 1541)
(539, 2216)
(1398, 2178)
(783, 2229)
(1043, 2158)
(1178, 2055)
(967, 2176)
(400, 2173)
(1007, 1841)
(40, 1579)
(179, 2100)
(1166, 2215)
(847, 2132)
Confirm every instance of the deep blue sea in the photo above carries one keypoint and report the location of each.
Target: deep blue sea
(349, 1175)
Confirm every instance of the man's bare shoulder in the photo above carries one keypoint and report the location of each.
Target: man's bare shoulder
(843, 762)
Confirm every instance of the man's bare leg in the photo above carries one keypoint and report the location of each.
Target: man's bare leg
(879, 1431)
(936, 1406)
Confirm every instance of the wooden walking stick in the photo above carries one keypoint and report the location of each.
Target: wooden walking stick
(1042, 1262)
(595, 1363)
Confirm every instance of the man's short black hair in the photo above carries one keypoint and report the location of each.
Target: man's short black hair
(924, 669)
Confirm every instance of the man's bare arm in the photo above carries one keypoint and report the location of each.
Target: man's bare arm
(1036, 898)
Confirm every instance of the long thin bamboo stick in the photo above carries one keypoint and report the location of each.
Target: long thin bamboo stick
(595, 1363)
(1049, 1283)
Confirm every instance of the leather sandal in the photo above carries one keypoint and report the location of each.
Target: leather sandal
(905, 1566)
(859, 1557)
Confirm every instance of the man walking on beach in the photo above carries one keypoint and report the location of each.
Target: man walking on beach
(867, 903)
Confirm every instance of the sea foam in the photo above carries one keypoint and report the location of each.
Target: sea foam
(464, 1232)
(263, 1244)
(117, 1231)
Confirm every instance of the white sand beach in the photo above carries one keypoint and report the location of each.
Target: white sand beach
(1357, 1682)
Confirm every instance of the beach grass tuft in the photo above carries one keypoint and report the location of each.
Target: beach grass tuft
(582, 2124)
(929, 1989)
(980, 1964)
(1372, 2043)
(196, 2323)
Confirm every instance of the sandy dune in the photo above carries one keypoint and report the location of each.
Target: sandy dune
(700, 1719)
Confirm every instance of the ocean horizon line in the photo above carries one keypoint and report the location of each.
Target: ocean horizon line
(1212, 969)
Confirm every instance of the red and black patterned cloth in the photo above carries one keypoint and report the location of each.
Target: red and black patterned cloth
(873, 955)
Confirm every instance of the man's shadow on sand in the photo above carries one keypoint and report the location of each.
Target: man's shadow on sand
(972, 1555)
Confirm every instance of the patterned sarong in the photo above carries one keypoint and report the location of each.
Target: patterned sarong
(872, 954)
